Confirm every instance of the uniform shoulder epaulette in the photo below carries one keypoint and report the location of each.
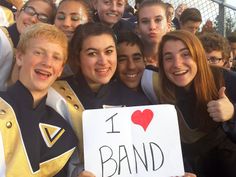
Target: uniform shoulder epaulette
(5, 31)
(12, 143)
(75, 109)
(6, 111)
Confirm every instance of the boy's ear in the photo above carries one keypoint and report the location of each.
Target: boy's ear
(19, 58)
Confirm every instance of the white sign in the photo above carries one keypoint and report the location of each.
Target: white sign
(132, 142)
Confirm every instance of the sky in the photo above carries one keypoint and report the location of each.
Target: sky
(231, 2)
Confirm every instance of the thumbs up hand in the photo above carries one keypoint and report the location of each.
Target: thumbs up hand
(221, 110)
(222, 93)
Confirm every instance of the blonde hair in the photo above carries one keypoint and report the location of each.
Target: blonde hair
(43, 31)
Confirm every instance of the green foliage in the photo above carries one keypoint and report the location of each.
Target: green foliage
(230, 25)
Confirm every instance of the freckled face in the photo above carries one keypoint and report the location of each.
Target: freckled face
(40, 65)
(152, 23)
(98, 59)
(178, 64)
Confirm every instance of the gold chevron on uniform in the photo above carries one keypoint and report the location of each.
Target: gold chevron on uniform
(50, 133)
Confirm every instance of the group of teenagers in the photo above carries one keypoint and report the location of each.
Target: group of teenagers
(52, 69)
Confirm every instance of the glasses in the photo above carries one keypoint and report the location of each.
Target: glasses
(214, 60)
(31, 11)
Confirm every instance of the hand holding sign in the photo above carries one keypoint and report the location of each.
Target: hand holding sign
(86, 174)
(132, 142)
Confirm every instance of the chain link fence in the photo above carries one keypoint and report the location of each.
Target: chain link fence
(221, 14)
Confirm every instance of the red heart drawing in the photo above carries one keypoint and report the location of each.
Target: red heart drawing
(142, 118)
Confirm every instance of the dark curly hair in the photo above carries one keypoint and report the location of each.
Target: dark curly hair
(214, 41)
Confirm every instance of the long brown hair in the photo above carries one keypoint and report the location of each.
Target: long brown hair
(82, 32)
(204, 84)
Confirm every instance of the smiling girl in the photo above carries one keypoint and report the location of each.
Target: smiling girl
(206, 99)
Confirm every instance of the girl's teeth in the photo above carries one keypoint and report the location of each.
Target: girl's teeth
(179, 72)
(132, 75)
